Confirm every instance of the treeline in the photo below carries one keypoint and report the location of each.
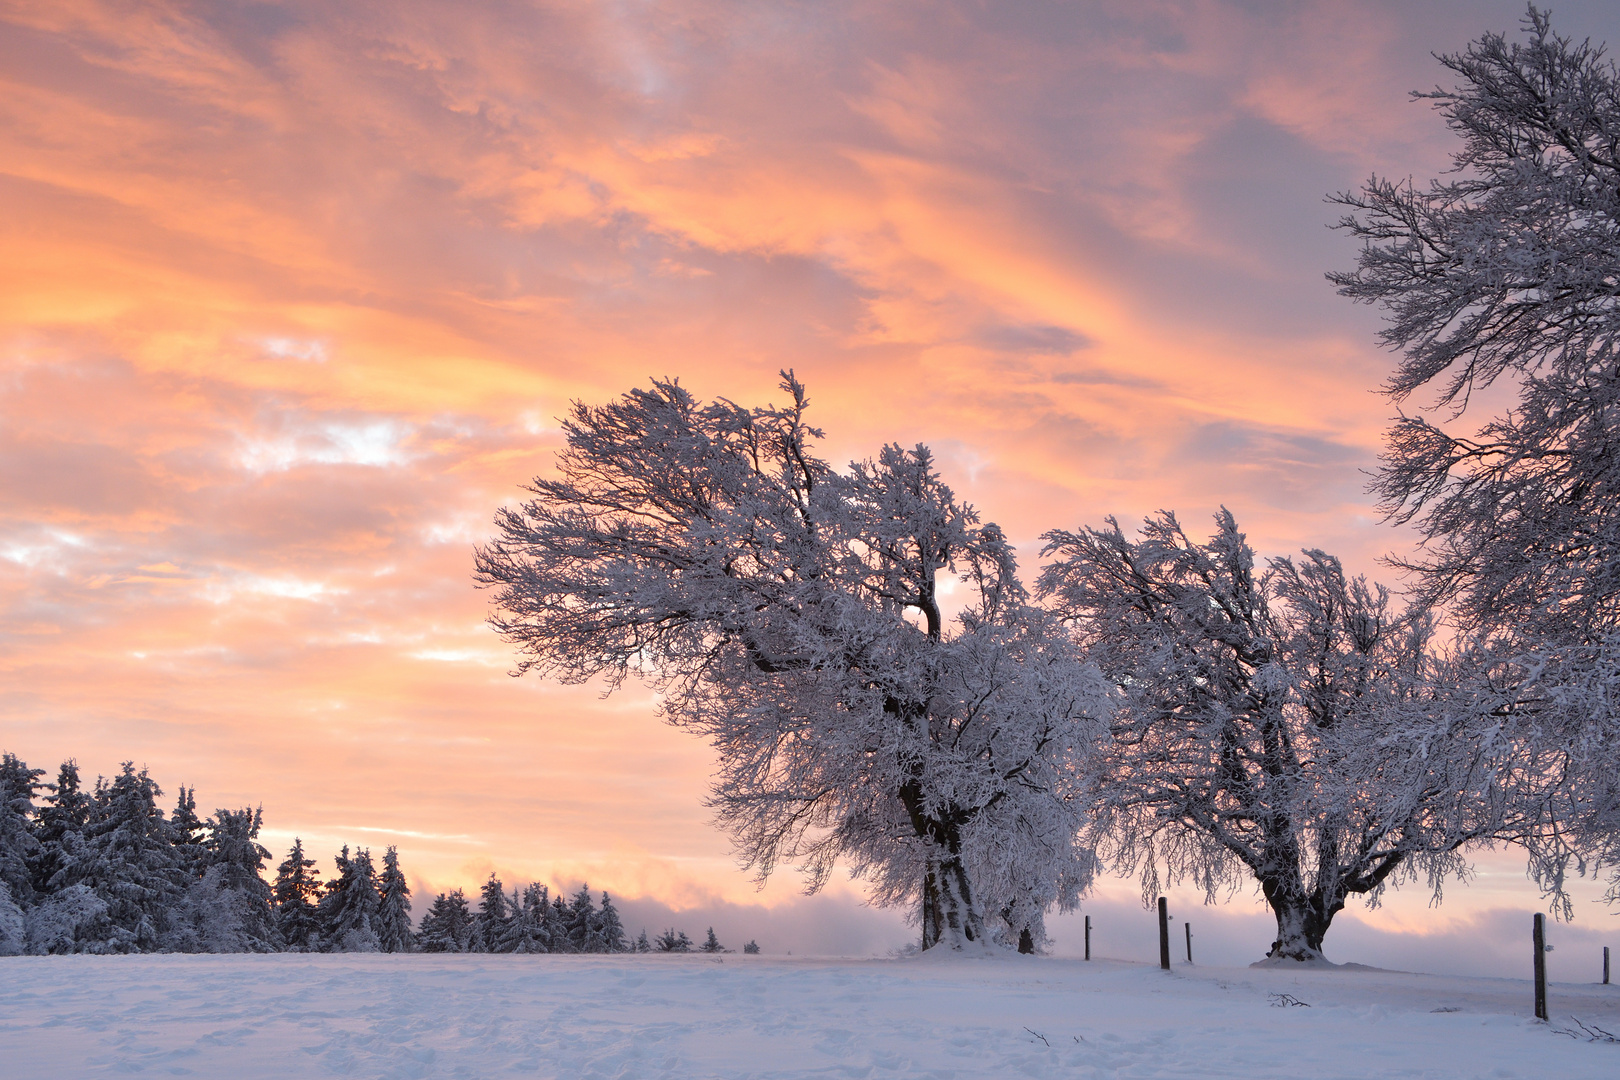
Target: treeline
(105, 871)
(534, 921)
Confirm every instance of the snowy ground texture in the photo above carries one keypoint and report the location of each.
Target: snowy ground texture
(243, 1017)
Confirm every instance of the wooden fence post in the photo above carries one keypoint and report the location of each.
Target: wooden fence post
(1088, 947)
(1605, 965)
(1164, 933)
(1538, 936)
(1189, 941)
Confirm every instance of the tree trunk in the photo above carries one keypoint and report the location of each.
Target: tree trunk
(1302, 920)
(949, 916)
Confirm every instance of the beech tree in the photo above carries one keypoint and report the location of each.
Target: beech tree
(794, 616)
(1509, 272)
(1285, 725)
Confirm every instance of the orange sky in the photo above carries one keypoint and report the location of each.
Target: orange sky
(293, 292)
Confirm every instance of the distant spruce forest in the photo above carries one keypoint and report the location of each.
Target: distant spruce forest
(106, 871)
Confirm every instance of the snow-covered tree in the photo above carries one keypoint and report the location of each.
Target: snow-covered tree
(751, 949)
(1508, 271)
(673, 940)
(490, 923)
(609, 934)
(447, 925)
(394, 907)
(128, 860)
(581, 925)
(792, 615)
(229, 908)
(1506, 274)
(711, 944)
(348, 911)
(295, 891)
(190, 834)
(559, 920)
(59, 825)
(19, 848)
(529, 931)
(1289, 727)
(642, 945)
(69, 920)
(13, 932)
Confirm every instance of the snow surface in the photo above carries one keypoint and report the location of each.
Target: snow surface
(244, 1017)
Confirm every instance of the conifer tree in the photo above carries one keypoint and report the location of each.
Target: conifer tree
(394, 910)
(19, 848)
(751, 949)
(560, 920)
(673, 940)
(13, 927)
(610, 936)
(447, 926)
(526, 930)
(642, 944)
(295, 892)
(712, 943)
(582, 923)
(128, 860)
(59, 825)
(190, 839)
(348, 911)
(489, 924)
(230, 905)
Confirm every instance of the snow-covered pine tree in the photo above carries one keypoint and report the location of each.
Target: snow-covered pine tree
(69, 920)
(394, 907)
(128, 861)
(232, 893)
(489, 924)
(790, 613)
(13, 927)
(19, 848)
(581, 925)
(672, 940)
(295, 891)
(751, 949)
(447, 926)
(348, 911)
(559, 922)
(529, 930)
(59, 825)
(711, 944)
(190, 834)
(609, 933)
(1290, 726)
(642, 944)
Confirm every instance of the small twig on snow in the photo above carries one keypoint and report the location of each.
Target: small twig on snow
(1039, 1036)
(1591, 1032)
(1283, 1001)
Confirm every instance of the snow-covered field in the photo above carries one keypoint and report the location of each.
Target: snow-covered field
(243, 1017)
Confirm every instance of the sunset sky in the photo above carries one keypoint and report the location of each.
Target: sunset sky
(293, 294)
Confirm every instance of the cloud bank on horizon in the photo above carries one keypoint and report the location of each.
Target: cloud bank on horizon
(294, 292)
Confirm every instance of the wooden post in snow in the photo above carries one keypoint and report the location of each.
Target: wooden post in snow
(1088, 949)
(1189, 941)
(1605, 965)
(1164, 933)
(1538, 936)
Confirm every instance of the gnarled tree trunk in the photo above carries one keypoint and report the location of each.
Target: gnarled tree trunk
(1303, 917)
